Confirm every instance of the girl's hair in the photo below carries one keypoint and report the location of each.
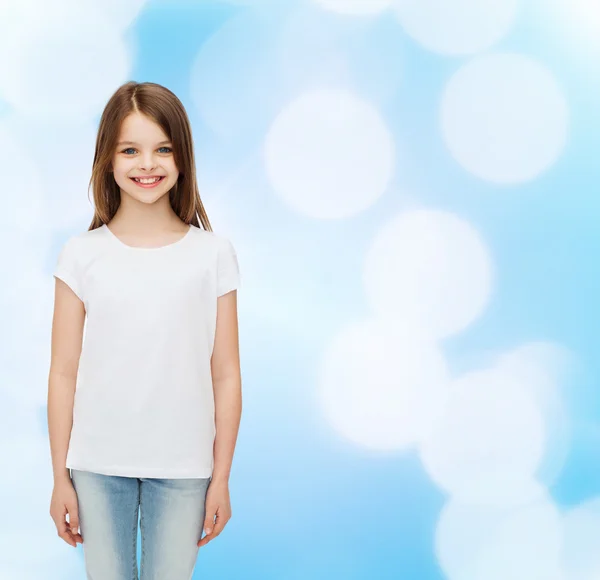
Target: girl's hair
(162, 106)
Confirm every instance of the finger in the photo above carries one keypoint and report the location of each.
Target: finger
(209, 522)
(72, 509)
(74, 530)
(73, 527)
(217, 529)
(207, 538)
(66, 535)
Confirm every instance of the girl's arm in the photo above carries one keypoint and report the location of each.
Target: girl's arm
(227, 385)
(67, 336)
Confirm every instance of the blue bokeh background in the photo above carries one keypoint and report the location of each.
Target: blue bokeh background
(318, 490)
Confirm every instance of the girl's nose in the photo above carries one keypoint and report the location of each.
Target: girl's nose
(147, 164)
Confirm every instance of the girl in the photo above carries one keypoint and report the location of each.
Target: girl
(144, 394)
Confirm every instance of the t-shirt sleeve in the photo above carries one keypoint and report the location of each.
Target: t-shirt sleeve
(228, 272)
(68, 269)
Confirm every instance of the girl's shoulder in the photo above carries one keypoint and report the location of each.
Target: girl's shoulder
(83, 242)
(218, 239)
(80, 250)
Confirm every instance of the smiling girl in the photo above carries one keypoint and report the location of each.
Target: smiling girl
(144, 394)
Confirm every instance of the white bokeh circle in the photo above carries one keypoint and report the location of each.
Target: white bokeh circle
(490, 439)
(329, 155)
(504, 117)
(340, 53)
(72, 50)
(66, 202)
(581, 19)
(516, 541)
(525, 545)
(119, 12)
(428, 269)
(28, 325)
(23, 199)
(253, 3)
(355, 7)
(542, 368)
(26, 224)
(456, 27)
(382, 389)
(581, 556)
(21, 18)
(229, 74)
(27, 493)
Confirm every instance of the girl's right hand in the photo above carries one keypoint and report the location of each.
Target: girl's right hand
(64, 501)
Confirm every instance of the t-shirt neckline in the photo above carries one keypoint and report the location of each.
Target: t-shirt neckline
(147, 249)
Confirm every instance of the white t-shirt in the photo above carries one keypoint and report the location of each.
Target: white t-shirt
(144, 403)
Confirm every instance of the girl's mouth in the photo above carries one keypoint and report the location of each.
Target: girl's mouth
(152, 183)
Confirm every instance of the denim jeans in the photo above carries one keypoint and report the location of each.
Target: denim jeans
(171, 514)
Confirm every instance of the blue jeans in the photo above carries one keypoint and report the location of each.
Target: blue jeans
(171, 513)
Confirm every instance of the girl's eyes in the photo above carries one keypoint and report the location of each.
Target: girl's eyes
(128, 148)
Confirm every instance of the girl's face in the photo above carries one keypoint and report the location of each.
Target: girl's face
(144, 151)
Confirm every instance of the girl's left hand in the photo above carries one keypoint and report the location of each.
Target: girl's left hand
(219, 505)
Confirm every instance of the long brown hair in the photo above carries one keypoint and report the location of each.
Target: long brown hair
(162, 106)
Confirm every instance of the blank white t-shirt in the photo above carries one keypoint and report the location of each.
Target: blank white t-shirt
(144, 404)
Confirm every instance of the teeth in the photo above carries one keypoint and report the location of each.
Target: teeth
(146, 181)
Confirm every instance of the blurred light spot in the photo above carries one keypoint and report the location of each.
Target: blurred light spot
(541, 368)
(27, 330)
(490, 438)
(250, 3)
(504, 118)
(120, 13)
(65, 177)
(516, 542)
(22, 190)
(355, 7)
(26, 491)
(581, 555)
(457, 27)
(66, 59)
(581, 18)
(382, 389)
(22, 17)
(341, 53)
(329, 155)
(26, 228)
(430, 270)
(234, 77)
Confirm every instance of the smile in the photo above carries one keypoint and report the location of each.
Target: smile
(147, 182)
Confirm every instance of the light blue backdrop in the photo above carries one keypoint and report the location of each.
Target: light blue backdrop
(411, 188)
